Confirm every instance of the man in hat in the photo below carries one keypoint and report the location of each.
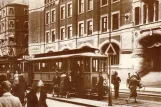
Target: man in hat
(37, 97)
(56, 83)
(100, 87)
(7, 99)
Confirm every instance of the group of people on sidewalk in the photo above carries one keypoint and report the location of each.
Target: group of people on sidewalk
(64, 83)
(133, 82)
(61, 84)
(14, 94)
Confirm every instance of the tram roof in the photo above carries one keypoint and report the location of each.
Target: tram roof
(86, 54)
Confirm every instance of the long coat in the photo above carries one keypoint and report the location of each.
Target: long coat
(8, 100)
(100, 86)
(20, 89)
(32, 100)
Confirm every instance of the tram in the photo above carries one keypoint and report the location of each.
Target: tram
(43, 67)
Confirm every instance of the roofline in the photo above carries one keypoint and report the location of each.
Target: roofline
(14, 4)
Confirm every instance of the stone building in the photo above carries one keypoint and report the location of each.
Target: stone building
(13, 29)
(59, 25)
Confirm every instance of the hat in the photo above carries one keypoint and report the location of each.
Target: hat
(6, 85)
(40, 83)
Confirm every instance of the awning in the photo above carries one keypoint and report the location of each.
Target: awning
(87, 54)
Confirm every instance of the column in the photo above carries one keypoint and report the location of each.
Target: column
(147, 14)
(142, 13)
(154, 15)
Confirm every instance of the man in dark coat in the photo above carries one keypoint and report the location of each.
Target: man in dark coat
(67, 84)
(2, 78)
(116, 82)
(56, 83)
(37, 97)
(100, 87)
(20, 89)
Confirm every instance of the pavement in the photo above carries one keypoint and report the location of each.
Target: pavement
(148, 97)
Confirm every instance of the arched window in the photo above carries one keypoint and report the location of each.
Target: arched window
(114, 58)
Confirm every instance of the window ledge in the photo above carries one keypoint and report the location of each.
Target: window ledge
(80, 13)
(104, 5)
(69, 17)
(115, 1)
(89, 10)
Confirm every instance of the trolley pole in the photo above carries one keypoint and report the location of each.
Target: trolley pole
(109, 20)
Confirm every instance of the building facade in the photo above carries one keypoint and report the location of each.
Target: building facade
(74, 24)
(13, 30)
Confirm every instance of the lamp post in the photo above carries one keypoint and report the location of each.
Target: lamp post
(109, 20)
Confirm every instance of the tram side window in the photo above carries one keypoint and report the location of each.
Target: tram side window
(37, 67)
(95, 65)
(54, 66)
(44, 67)
(102, 65)
(86, 65)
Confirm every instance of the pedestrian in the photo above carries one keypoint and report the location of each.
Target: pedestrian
(2, 78)
(116, 82)
(128, 79)
(100, 87)
(8, 74)
(7, 99)
(138, 79)
(78, 83)
(37, 97)
(20, 89)
(62, 87)
(56, 84)
(16, 78)
(133, 84)
(67, 85)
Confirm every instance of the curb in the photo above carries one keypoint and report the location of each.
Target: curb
(72, 102)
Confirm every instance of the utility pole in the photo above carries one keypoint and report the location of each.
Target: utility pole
(109, 20)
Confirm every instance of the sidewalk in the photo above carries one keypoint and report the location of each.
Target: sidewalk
(83, 102)
(120, 102)
(145, 101)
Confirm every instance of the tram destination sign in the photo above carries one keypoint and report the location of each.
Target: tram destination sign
(27, 57)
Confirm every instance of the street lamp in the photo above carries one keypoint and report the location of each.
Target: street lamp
(109, 94)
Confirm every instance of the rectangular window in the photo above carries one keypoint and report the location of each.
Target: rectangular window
(145, 13)
(90, 4)
(11, 24)
(104, 2)
(25, 11)
(4, 13)
(104, 24)
(47, 37)
(11, 11)
(114, 0)
(137, 15)
(53, 35)
(70, 10)
(69, 32)
(62, 12)
(115, 21)
(156, 10)
(81, 29)
(53, 16)
(47, 18)
(81, 6)
(89, 27)
(62, 33)
(3, 27)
